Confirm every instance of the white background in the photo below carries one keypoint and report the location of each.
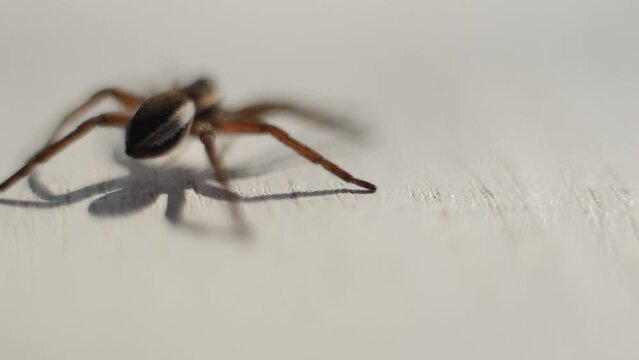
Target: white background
(502, 136)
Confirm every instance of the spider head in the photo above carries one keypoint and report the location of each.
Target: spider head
(199, 87)
(159, 125)
(202, 92)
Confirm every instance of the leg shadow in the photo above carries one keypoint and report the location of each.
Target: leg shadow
(143, 185)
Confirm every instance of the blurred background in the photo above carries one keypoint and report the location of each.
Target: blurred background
(502, 136)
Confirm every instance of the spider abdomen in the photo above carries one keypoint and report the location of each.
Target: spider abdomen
(159, 125)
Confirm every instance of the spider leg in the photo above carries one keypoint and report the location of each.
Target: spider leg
(247, 126)
(104, 120)
(128, 101)
(208, 140)
(259, 109)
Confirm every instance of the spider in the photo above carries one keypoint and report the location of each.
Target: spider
(160, 123)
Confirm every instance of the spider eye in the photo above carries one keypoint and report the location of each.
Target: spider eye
(159, 125)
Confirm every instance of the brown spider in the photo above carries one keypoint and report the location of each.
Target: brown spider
(158, 124)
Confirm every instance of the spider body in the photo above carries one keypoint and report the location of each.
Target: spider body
(158, 124)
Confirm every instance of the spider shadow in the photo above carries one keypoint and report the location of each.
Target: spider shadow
(143, 185)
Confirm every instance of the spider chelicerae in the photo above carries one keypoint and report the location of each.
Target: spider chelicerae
(160, 123)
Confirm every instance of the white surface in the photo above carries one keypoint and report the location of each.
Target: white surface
(503, 142)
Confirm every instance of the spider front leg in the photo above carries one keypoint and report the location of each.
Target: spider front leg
(208, 140)
(258, 110)
(256, 126)
(127, 100)
(107, 120)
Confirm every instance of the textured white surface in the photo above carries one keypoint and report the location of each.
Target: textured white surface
(503, 143)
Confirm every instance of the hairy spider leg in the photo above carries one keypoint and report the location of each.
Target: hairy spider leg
(208, 140)
(127, 100)
(256, 126)
(104, 120)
